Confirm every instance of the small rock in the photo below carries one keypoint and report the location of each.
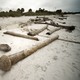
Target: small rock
(5, 47)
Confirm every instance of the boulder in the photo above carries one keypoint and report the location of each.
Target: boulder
(5, 47)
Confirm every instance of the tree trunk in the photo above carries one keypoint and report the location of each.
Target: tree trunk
(52, 31)
(33, 33)
(21, 35)
(7, 61)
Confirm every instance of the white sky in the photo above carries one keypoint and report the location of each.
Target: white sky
(69, 5)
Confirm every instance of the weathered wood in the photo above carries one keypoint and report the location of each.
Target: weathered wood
(68, 28)
(53, 30)
(21, 35)
(33, 33)
(7, 61)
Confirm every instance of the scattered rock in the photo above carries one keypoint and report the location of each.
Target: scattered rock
(5, 47)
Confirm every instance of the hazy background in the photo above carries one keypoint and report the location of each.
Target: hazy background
(65, 5)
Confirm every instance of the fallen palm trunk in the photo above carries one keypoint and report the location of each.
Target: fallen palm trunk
(7, 61)
(53, 30)
(5, 47)
(20, 35)
(69, 28)
(33, 33)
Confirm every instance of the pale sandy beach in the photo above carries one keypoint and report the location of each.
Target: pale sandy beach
(60, 60)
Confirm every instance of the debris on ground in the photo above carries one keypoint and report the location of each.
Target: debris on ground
(5, 47)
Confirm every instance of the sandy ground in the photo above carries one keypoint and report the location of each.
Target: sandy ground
(57, 61)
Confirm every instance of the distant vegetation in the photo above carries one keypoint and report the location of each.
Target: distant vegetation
(20, 12)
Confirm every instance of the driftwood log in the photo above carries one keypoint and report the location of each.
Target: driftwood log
(68, 28)
(21, 35)
(33, 33)
(7, 61)
(53, 30)
(5, 47)
(42, 18)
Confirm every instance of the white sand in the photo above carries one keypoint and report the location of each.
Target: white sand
(57, 61)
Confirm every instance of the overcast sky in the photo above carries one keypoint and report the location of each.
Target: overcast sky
(65, 5)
